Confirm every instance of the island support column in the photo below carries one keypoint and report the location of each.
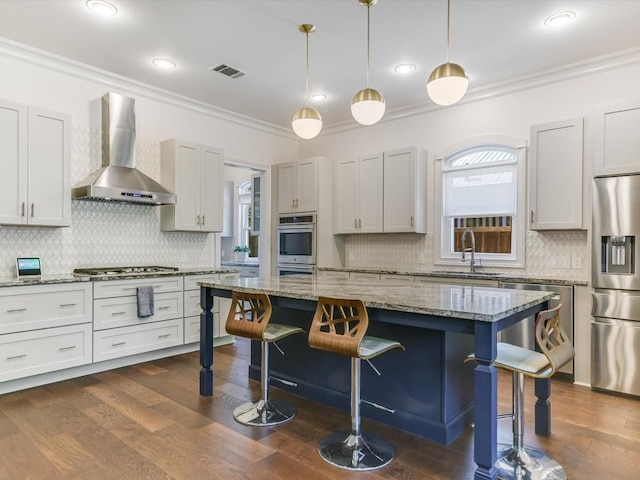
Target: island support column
(485, 434)
(206, 341)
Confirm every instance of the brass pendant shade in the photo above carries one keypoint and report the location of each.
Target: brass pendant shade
(448, 83)
(307, 122)
(368, 106)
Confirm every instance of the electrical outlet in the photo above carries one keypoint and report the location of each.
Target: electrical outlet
(576, 261)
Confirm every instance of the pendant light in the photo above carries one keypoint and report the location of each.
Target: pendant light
(307, 122)
(447, 83)
(367, 106)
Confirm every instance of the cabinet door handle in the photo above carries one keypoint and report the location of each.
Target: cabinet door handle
(23, 207)
(532, 216)
(203, 222)
(62, 305)
(113, 314)
(119, 344)
(33, 208)
(164, 335)
(14, 357)
(71, 347)
(412, 220)
(355, 223)
(293, 203)
(359, 223)
(15, 310)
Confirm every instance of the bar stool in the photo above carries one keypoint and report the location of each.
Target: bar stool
(517, 461)
(339, 326)
(249, 317)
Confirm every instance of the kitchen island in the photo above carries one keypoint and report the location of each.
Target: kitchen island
(428, 389)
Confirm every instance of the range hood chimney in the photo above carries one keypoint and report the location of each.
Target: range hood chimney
(118, 179)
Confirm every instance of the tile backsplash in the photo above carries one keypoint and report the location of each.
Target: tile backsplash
(415, 253)
(106, 233)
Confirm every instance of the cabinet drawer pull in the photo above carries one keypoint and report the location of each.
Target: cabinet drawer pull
(13, 357)
(164, 308)
(62, 305)
(129, 288)
(15, 310)
(286, 382)
(113, 314)
(67, 348)
(164, 335)
(33, 207)
(119, 344)
(23, 206)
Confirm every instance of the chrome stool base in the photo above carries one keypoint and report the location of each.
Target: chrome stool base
(531, 464)
(356, 452)
(263, 414)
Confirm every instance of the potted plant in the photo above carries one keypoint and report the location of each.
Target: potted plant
(242, 252)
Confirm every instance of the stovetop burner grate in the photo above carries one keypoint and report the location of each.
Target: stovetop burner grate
(123, 270)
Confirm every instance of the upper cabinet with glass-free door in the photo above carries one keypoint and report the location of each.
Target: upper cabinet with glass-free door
(35, 181)
(556, 176)
(194, 173)
(617, 142)
(298, 186)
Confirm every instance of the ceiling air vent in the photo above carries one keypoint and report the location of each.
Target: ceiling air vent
(227, 70)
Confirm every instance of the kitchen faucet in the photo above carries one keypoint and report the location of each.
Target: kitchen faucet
(472, 249)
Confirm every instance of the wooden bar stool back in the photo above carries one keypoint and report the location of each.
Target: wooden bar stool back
(340, 326)
(249, 316)
(517, 461)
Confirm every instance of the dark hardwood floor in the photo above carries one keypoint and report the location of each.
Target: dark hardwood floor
(148, 422)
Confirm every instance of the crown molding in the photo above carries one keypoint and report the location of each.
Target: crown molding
(67, 66)
(584, 68)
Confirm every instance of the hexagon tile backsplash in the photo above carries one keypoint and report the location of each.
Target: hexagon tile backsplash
(105, 233)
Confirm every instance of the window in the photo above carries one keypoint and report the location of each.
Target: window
(481, 189)
(244, 215)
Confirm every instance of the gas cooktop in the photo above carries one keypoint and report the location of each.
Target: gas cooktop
(122, 271)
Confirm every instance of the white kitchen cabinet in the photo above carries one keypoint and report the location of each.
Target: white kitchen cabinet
(556, 175)
(358, 195)
(617, 142)
(298, 186)
(35, 186)
(194, 173)
(405, 190)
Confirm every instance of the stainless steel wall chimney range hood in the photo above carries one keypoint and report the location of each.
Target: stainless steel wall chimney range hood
(118, 179)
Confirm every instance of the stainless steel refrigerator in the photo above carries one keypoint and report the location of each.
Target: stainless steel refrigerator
(615, 328)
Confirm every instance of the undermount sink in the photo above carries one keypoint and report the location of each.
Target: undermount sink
(458, 272)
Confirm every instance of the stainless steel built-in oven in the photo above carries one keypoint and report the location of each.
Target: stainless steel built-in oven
(296, 270)
(297, 239)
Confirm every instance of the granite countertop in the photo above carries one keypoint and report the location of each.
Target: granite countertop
(70, 277)
(499, 277)
(464, 302)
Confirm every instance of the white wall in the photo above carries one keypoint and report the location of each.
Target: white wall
(118, 234)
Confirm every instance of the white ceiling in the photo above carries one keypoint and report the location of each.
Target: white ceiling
(494, 40)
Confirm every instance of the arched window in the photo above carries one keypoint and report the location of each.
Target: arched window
(481, 188)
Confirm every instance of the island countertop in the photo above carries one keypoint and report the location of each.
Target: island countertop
(465, 302)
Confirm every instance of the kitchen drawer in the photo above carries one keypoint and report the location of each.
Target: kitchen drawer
(364, 276)
(124, 341)
(124, 288)
(41, 351)
(123, 311)
(332, 274)
(44, 306)
(392, 278)
(191, 281)
(192, 328)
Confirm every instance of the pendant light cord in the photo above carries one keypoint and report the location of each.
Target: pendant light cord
(368, 48)
(306, 97)
(448, 24)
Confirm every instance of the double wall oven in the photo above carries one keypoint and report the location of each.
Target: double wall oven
(296, 244)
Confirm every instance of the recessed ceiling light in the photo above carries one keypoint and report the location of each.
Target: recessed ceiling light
(405, 68)
(560, 19)
(102, 7)
(164, 63)
(317, 96)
